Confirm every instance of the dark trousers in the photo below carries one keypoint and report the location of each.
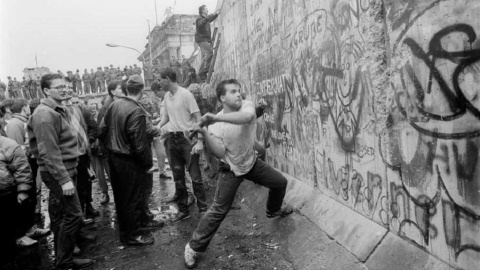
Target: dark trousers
(227, 185)
(8, 204)
(66, 218)
(25, 213)
(126, 181)
(207, 55)
(84, 184)
(147, 186)
(180, 158)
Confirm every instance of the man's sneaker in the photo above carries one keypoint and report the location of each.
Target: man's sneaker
(25, 241)
(81, 263)
(164, 176)
(152, 224)
(140, 241)
(180, 216)
(35, 232)
(283, 212)
(190, 257)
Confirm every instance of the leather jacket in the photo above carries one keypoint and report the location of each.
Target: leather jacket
(124, 131)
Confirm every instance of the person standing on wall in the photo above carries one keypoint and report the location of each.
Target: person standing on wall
(231, 137)
(203, 37)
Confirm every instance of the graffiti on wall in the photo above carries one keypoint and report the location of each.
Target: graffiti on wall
(417, 173)
(434, 131)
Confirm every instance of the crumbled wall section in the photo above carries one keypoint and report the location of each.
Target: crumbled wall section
(373, 103)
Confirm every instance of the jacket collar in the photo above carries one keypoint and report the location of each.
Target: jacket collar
(50, 103)
(22, 118)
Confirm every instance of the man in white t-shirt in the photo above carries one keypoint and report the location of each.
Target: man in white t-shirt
(231, 138)
(181, 114)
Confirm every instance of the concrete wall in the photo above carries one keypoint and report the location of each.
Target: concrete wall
(374, 103)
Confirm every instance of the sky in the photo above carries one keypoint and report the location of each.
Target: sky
(68, 35)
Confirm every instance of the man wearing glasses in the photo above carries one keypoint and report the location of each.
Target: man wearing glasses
(54, 143)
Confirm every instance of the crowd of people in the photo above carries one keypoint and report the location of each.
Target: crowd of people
(60, 142)
(60, 139)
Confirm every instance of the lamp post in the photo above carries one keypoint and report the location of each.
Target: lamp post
(116, 45)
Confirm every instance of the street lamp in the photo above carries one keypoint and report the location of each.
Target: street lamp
(116, 45)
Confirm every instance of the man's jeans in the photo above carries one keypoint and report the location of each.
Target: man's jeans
(159, 150)
(181, 158)
(227, 186)
(207, 54)
(100, 166)
(65, 216)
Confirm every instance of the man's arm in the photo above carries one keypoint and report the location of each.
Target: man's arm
(165, 119)
(215, 144)
(245, 116)
(48, 150)
(21, 170)
(136, 132)
(92, 127)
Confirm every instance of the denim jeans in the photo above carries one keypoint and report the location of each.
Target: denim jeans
(227, 185)
(181, 158)
(100, 166)
(66, 218)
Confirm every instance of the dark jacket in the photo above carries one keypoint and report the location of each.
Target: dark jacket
(124, 131)
(15, 172)
(192, 78)
(204, 33)
(52, 140)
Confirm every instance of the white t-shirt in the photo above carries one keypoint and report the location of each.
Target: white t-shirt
(180, 109)
(239, 143)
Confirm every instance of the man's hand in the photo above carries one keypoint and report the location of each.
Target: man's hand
(68, 188)
(21, 197)
(207, 119)
(156, 121)
(197, 148)
(262, 103)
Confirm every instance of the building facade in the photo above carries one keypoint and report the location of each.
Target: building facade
(36, 72)
(172, 39)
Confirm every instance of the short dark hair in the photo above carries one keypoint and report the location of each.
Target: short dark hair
(221, 86)
(201, 8)
(168, 72)
(112, 86)
(134, 89)
(46, 80)
(34, 104)
(18, 104)
(124, 87)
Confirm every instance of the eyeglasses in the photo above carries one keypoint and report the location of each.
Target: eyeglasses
(61, 87)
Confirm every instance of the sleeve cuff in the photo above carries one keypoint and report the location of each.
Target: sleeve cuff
(64, 180)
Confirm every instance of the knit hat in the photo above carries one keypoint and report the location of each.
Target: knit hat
(135, 80)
